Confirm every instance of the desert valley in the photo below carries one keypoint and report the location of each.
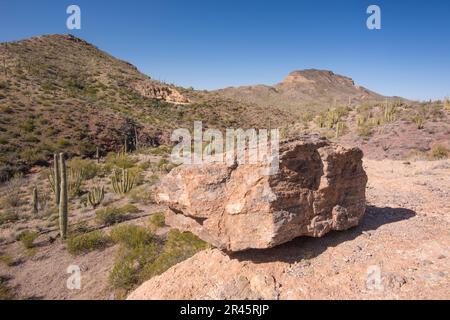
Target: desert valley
(358, 210)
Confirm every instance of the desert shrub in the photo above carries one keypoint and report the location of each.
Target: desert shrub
(119, 160)
(8, 216)
(179, 246)
(157, 220)
(5, 292)
(113, 215)
(142, 194)
(84, 243)
(164, 165)
(447, 104)
(161, 150)
(109, 216)
(63, 143)
(418, 120)
(145, 165)
(27, 238)
(132, 257)
(12, 197)
(142, 256)
(131, 236)
(153, 179)
(32, 155)
(7, 260)
(439, 152)
(6, 109)
(364, 130)
(129, 208)
(89, 168)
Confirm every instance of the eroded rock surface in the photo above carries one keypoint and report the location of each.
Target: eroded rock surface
(319, 187)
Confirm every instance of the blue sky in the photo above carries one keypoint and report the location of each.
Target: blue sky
(212, 44)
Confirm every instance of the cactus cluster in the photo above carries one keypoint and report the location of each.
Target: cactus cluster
(418, 120)
(389, 113)
(124, 183)
(96, 196)
(75, 178)
(340, 126)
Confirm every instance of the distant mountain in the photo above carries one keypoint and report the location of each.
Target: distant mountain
(306, 90)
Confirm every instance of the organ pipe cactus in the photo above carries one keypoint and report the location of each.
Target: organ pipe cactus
(63, 207)
(122, 184)
(96, 196)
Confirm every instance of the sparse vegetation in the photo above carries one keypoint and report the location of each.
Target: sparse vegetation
(143, 256)
(113, 215)
(5, 291)
(87, 242)
(157, 220)
(439, 151)
(27, 238)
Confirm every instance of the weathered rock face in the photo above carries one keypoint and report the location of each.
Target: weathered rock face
(319, 187)
(155, 90)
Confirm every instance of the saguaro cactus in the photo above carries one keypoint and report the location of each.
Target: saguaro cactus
(35, 201)
(63, 207)
(96, 196)
(123, 184)
(56, 178)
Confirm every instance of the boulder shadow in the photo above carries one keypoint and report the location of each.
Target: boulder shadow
(308, 247)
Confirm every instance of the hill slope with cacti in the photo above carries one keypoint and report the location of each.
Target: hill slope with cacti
(60, 93)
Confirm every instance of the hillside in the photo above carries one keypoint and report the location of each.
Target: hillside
(60, 93)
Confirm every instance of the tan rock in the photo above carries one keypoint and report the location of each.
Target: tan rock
(156, 90)
(319, 187)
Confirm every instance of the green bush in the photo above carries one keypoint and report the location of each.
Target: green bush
(8, 216)
(27, 238)
(84, 243)
(178, 247)
(119, 160)
(157, 220)
(112, 215)
(89, 168)
(7, 260)
(142, 194)
(131, 236)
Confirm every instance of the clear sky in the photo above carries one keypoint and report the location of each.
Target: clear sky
(211, 44)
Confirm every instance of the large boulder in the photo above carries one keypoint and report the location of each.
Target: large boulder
(319, 187)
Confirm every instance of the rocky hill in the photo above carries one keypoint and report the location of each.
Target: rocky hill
(58, 92)
(306, 90)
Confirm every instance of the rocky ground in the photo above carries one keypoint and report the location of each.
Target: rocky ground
(400, 251)
(404, 235)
